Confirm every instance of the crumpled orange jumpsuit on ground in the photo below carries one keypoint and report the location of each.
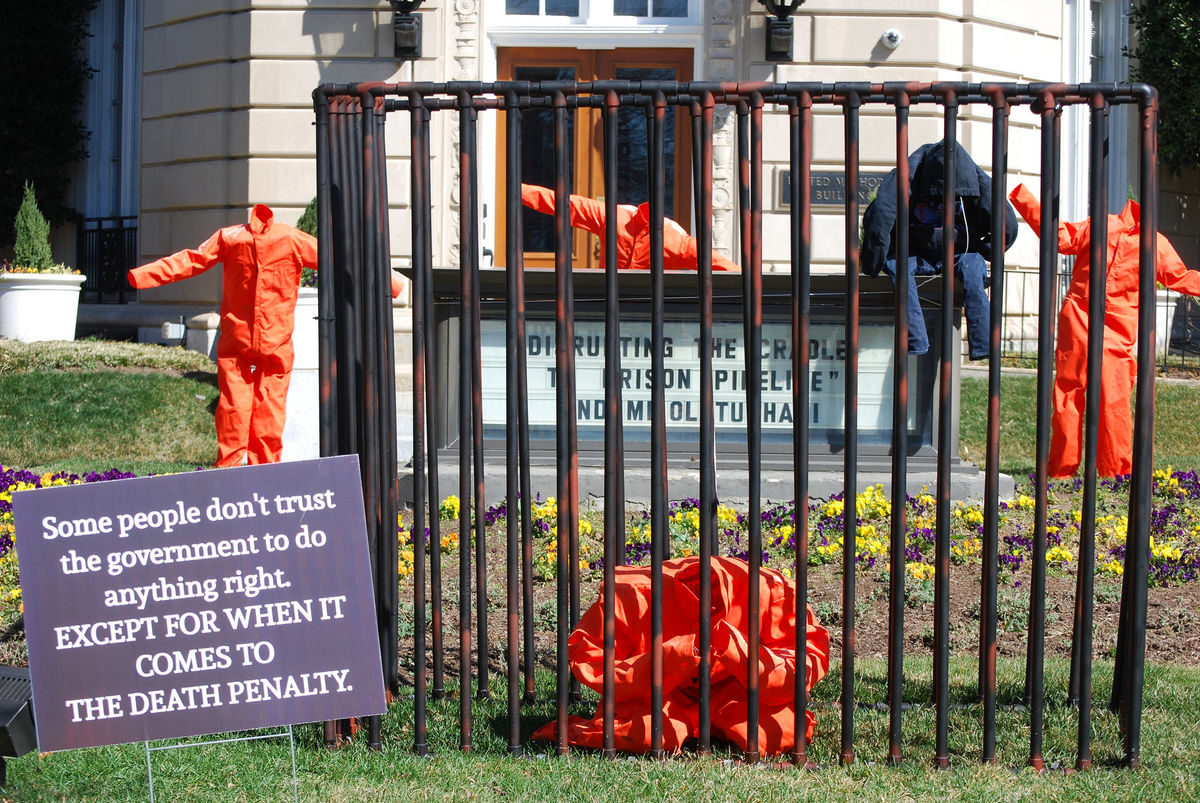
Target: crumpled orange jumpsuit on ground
(261, 278)
(1119, 367)
(633, 231)
(681, 661)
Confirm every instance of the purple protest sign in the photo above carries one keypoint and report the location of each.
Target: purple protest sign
(198, 603)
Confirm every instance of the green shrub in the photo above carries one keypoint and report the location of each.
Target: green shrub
(31, 249)
(1165, 57)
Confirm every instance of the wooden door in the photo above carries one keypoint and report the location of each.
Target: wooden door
(586, 145)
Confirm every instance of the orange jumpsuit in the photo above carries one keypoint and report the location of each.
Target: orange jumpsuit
(681, 662)
(1119, 367)
(633, 231)
(261, 277)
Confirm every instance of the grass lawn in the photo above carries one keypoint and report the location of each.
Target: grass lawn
(78, 406)
(94, 406)
(1176, 423)
(262, 771)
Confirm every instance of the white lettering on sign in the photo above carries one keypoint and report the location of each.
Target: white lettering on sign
(681, 375)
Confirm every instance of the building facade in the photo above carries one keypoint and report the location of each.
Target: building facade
(200, 109)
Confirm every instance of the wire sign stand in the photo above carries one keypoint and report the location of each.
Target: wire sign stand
(209, 743)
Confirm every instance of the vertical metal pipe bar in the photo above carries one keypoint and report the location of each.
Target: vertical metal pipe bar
(564, 339)
(572, 499)
(612, 415)
(419, 166)
(1138, 542)
(326, 365)
(349, 335)
(899, 439)
(753, 517)
(660, 537)
(367, 446)
(387, 372)
(702, 173)
(991, 481)
(800, 139)
(432, 411)
(516, 229)
(754, 423)
(512, 400)
(466, 309)
(372, 451)
(469, 253)
(945, 435)
(326, 356)
(347, 237)
(1047, 266)
(851, 102)
(1098, 210)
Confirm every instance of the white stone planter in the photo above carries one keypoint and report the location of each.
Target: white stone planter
(304, 336)
(1164, 319)
(39, 306)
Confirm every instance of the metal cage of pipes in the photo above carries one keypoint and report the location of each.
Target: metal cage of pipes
(358, 384)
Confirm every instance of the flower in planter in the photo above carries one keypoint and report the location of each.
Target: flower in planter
(31, 249)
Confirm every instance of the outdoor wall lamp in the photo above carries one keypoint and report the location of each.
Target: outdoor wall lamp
(779, 28)
(406, 29)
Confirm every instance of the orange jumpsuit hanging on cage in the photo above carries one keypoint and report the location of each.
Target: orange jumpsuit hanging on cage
(633, 231)
(261, 278)
(1119, 367)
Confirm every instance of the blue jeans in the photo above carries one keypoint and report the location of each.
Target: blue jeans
(972, 270)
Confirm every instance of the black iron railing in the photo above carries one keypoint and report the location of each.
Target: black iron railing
(106, 251)
(357, 376)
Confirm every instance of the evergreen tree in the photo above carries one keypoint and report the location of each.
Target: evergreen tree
(32, 246)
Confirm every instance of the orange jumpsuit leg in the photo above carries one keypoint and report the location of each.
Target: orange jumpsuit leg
(1115, 448)
(235, 383)
(272, 375)
(1070, 383)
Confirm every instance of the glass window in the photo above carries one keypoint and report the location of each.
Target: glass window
(619, 8)
(537, 139)
(532, 8)
(562, 8)
(633, 167)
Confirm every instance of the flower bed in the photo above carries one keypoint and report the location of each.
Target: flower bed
(1174, 558)
(1175, 532)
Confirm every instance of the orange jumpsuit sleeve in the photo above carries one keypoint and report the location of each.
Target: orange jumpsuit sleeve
(1072, 237)
(180, 265)
(306, 251)
(680, 251)
(1171, 271)
(586, 213)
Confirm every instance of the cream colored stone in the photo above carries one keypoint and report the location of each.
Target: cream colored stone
(204, 88)
(320, 33)
(282, 132)
(203, 40)
(193, 137)
(1030, 15)
(856, 40)
(990, 47)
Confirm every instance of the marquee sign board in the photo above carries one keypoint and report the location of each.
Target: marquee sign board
(681, 377)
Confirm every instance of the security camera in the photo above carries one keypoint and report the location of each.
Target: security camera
(891, 38)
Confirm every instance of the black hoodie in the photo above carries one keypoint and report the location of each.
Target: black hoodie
(973, 218)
